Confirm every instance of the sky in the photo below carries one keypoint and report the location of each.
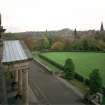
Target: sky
(39, 15)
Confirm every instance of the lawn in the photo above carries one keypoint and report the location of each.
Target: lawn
(49, 66)
(84, 62)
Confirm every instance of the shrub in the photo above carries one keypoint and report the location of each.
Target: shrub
(69, 69)
(95, 81)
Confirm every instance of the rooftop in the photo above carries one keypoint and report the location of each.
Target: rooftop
(15, 51)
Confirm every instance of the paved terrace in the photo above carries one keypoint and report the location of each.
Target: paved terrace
(49, 90)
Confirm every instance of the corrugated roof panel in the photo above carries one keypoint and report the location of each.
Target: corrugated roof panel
(13, 51)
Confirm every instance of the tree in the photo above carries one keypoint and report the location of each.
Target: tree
(57, 46)
(95, 81)
(30, 43)
(102, 27)
(68, 44)
(69, 69)
(75, 34)
(45, 43)
(85, 44)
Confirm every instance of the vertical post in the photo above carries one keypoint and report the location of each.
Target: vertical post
(25, 87)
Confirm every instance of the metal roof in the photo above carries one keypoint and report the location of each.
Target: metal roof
(15, 50)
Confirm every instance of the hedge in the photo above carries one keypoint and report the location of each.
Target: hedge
(49, 50)
(77, 76)
(52, 62)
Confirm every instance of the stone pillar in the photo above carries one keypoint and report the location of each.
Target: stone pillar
(25, 87)
(16, 76)
(19, 82)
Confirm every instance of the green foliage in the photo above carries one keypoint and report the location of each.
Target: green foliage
(69, 69)
(84, 62)
(77, 45)
(95, 81)
(85, 44)
(88, 44)
(46, 42)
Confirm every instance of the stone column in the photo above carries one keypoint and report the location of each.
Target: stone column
(19, 82)
(25, 87)
(16, 76)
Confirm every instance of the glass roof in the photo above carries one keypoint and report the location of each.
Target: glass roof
(14, 50)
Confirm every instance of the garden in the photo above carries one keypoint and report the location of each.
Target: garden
(84, 62)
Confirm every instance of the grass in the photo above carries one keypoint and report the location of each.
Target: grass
(84, 62)
(50, 66)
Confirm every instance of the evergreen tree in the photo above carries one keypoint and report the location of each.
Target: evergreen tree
(75, 33)
(69, 69)
(95, 81)
(102, 27)
(46, 43)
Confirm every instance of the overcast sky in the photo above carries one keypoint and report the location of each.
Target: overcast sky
(39, 15)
